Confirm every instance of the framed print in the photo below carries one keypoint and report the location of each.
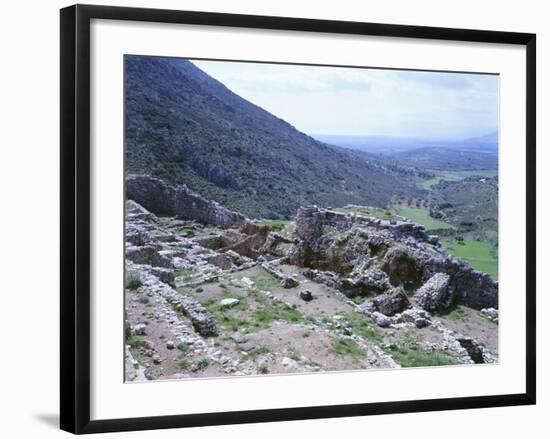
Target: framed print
(272, 218)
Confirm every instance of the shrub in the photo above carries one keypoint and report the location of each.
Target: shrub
(133, 280)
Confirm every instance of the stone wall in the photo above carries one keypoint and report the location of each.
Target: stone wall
(165, 200)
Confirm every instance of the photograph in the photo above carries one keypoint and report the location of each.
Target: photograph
(299, 219)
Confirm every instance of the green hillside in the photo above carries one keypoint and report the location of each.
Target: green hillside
(185, 127)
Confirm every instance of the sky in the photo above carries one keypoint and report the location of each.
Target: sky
(369, 102)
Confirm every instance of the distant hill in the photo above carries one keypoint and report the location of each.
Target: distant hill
(427, 153)
(447, 159)
(471, 204)
(185, 127)
(491, 138)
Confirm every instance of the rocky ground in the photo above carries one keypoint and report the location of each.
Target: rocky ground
(211, 293)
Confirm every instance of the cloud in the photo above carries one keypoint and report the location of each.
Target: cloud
(359, 101)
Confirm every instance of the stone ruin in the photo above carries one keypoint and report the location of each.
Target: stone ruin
(403, 273)
(369, 256)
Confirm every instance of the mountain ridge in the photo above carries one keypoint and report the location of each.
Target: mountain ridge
(186, 127)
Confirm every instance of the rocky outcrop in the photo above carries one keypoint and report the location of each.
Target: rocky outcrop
(152, 193)
(469, 287)
(194, 207)
(147, 255)
(214, 173)
(402, 267)
(392, 302)
(165, 200)
(435, 293)
(186, 275)
(370, 256)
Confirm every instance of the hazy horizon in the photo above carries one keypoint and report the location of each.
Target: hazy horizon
(366, 102)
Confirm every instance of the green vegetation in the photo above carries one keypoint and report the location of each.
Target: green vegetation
(246, 318)
(428, 184)
(135, 341)
(276, 225)
(346, 347)
(185, 275)
(480, 255)
(457, 175)
(201, 364)
(238, 154)
(278, 311)
(471, 205)
(444, 159)
(183, 348)
(265, 282)
(253, 354)
(293, 353)
(144, 300)
(133, 280)
(422, 216)
(369, 211)
(183, 364)
(454, 313)
(164, 221)
(364, 327)
(450, 175)
(409, 353)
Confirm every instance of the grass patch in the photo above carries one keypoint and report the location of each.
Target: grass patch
(258, 296)
(133, 280)
(456, 313)
(408, 353)
(253, 354)
(428, 184)
(364, 327)
(276, 225)
(346, 347)
(164, 222)
(422, 216)
(265, 281)
(480, 255)
(183, 364)
(457, 175)
(251, 317)
(202, 364)
(185, 275)
(277, 312)
(135, 341)
(293, 353)
(369, 211)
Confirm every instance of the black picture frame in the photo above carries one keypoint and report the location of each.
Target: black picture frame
(75, 217)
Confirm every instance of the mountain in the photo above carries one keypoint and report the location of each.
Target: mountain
(183, 126)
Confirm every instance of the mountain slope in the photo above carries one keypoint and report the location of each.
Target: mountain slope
(185, 127)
